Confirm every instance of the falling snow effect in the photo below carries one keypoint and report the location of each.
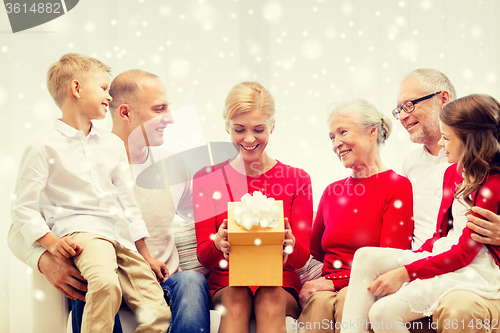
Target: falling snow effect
(223, 263)
(145, 315)
(312, 49)
(39, 295)
(486, 193)
(335, 35)
(273, 12)
(179, 68)
(221, 309)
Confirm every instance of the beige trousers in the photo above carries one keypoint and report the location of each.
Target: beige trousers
(111, 271)
(322, 312)
(464, 311)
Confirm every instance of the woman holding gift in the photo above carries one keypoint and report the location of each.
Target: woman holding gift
(249, 117)
(372, 207)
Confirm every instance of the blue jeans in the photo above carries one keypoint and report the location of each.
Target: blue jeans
(186, 293)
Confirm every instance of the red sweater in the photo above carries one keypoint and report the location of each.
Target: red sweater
(461, 254)
(353, 213)
(214, 187)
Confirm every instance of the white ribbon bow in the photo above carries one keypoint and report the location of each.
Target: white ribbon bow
(255, 210)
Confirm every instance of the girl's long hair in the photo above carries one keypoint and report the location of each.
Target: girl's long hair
(475, 119)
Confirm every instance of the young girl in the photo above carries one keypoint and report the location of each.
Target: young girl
(417, 281)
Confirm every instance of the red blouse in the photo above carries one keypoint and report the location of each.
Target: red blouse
(214, 187)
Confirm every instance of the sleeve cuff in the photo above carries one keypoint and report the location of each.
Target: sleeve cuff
(34, 230)
(138, 230)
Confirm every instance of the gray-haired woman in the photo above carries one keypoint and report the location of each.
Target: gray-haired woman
(372, 207)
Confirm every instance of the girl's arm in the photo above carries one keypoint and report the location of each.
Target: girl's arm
(461, 254)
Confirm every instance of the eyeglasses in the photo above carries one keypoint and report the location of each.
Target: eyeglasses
(409, 106)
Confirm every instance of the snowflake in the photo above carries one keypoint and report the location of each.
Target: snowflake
(272, 12)
(312, 49)
(223, 263)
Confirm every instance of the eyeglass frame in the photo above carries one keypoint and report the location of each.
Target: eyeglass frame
(398, 109)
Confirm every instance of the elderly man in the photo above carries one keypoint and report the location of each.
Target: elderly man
(140, 115)
(422, 95)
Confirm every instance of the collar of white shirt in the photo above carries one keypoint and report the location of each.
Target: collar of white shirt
(70, 131)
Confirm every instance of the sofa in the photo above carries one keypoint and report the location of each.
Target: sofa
(51, 310)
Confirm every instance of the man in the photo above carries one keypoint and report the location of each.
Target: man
(422, 95)
(140, 114)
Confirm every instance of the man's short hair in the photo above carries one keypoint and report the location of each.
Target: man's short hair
(125, 88)
(69, 67)
(432, 80)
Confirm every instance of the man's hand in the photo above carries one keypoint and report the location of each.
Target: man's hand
(487, 231)
(288, 242)
(63, 276)
(310, 287)
(159, 268)
(389, 282)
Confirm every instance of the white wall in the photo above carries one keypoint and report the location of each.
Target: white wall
(308, 53)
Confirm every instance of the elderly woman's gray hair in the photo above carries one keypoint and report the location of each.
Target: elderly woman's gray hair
(365, 115)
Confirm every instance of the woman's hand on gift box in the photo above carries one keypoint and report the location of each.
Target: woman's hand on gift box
(220, 240)
(288, 242)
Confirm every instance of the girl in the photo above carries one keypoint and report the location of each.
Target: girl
(417, 281)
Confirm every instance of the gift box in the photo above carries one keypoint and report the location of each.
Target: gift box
(256, 257)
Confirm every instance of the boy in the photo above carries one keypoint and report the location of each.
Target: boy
(80, 177)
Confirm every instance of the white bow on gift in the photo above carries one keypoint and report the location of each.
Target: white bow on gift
(255, 210)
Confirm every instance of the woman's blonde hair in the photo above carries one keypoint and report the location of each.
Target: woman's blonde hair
(245, 97)
(365, 115)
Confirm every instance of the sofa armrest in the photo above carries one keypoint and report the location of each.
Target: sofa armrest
(50, 307)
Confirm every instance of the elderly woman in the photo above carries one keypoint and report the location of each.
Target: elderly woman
(372, 207)
(249, 117)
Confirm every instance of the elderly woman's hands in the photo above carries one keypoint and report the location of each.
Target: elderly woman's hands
(220, 240)
(486, 231)
(288, 242)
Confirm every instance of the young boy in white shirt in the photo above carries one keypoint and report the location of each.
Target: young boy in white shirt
(80, 177)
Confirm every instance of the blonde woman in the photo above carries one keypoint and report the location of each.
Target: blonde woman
(249, 119)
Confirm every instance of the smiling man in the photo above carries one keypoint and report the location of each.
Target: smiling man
(422, 95)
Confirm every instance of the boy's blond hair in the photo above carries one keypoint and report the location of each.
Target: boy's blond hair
(69, 67)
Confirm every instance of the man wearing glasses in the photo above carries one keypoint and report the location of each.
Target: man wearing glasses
(422, 95)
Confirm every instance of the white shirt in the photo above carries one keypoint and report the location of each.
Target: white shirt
(179, 180)
(81, 183)
(425, 172)
(164, 189)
